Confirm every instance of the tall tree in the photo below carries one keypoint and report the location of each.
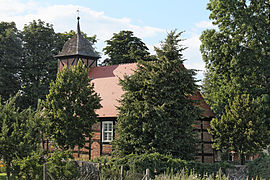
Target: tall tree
(171, 48)
(70, 107)
(124, 47)
(39, 67)
(243, 127)
(156, 110)
(10, 56)
(237, 54)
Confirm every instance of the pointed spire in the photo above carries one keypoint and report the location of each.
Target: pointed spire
(78, 23)
(78, 26)
(78, 46)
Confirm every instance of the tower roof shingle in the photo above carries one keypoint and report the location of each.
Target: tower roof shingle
(78, 46)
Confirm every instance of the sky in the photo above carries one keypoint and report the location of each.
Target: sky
(150, 20)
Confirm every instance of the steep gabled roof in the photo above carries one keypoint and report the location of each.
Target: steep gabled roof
(106, 84)
(78, 46)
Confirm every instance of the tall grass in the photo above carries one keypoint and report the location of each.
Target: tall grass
(107, 174)
(184, 176)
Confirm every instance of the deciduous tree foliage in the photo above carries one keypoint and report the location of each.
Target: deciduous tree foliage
(124, 47)
(10, 56)
(156, 113)
(70, 107)
(27, 60)
(237, 53)
(39, 67)
(18, 133)
(243, 127)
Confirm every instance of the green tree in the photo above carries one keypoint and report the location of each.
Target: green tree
(10, 56)
(156, 112)
(243, 127)
(124, 47)
(237, 53)
(70, 107)
(39, 67)
(18, 136)
(171, 48)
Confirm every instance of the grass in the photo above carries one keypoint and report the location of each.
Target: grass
(2, 176)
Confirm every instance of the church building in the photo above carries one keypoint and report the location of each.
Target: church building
(106, 84)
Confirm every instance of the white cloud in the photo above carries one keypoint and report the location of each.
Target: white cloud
(145, 31)
(11, 7)
(192, 53)
(193, 56)
(205, 25)
(63, 17)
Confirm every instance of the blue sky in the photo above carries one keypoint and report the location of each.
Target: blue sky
(150, 20)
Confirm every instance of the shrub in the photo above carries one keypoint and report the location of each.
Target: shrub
(259, 167)
(29, 167)
(158, 164)
(59, 165)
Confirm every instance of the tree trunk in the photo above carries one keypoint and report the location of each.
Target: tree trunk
(45, 171)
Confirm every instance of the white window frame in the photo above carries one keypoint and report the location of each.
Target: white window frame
(107, 130)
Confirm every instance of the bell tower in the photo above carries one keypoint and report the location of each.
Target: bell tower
(77, 48)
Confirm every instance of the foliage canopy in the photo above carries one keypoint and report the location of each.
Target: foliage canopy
(156, 110)
(124, 47)
(70, 107)
(237, 53)
(10, 56)
(243, 127)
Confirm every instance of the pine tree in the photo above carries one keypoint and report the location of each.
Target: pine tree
(156, 112)
(70, 107)
(172, 48)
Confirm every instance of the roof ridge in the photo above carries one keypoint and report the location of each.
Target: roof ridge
(114, 65)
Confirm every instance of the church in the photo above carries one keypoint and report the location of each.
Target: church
(106, 84)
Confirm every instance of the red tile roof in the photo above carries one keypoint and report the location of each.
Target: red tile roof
(106, 84)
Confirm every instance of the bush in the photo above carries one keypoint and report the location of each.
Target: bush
(59, 165)
(259, 167)
(29, 167)
(159, 164)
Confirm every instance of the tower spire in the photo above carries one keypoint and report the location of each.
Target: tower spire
(78, 23)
